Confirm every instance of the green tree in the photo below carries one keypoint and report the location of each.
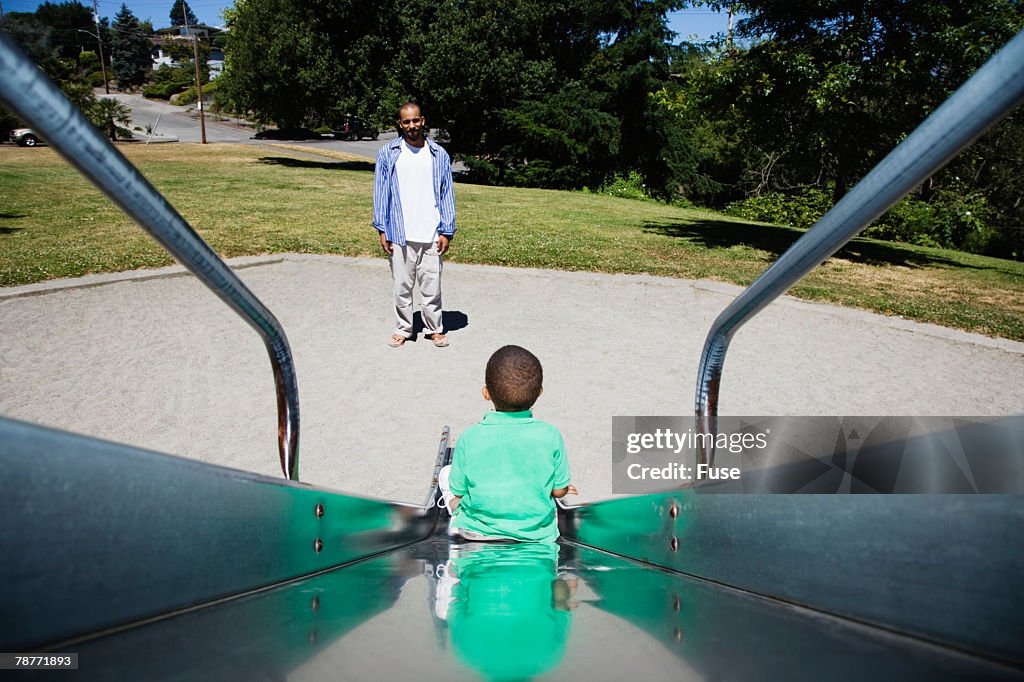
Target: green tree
(34, 37)
(994, 169)
(279, 62)
(829, 87)
(554, 93)
(561, 140)
(64, 20)
(179, 11)
(639, 60)
(826, 88)
(130, 49)
(182, 52)
(107, 113)
(562, 96)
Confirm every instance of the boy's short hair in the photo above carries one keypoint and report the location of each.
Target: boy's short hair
(514, 379)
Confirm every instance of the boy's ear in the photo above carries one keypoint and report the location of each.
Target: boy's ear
(486, 394)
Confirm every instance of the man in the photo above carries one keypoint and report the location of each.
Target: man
(414, 212)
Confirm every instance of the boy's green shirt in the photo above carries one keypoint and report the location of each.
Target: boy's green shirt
(505, 468)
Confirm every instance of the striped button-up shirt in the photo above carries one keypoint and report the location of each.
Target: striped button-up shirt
(387, 206)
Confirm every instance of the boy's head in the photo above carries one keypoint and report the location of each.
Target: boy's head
(514, 379)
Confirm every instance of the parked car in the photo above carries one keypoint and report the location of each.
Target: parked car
(24, 137)
(352, 128)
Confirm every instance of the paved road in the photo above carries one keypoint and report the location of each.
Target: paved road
(182, 124)
(177, 122)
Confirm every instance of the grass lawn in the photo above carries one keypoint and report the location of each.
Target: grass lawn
(250, 200)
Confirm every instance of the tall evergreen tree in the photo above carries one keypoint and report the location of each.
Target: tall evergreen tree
(178, 15)
(130, 49)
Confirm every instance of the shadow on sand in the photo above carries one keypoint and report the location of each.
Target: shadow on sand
(451, 320)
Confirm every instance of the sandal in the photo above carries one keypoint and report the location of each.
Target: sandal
(440, 340)
(397, 340)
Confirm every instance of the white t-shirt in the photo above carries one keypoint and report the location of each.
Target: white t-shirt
(415, 167)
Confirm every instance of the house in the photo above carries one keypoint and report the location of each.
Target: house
(209, 35)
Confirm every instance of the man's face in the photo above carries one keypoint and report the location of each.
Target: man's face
(411, 123)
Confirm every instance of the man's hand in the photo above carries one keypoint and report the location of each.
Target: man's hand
(385, 244)
(443, 241)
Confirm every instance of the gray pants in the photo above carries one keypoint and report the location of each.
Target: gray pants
(418, 264)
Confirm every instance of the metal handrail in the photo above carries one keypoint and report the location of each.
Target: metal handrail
(29, 93)
(990, 94)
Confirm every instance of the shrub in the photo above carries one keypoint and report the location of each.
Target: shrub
(950, 219)
(910, 221)
(155, 91)
(166, 74)
(162, 90)
(88, 61)
(627, 187)
(802, 209)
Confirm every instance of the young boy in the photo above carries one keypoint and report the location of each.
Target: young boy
(507, 469)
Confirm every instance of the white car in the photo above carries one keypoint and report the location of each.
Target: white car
(24, 137)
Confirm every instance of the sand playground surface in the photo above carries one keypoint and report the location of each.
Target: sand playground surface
(153, 359)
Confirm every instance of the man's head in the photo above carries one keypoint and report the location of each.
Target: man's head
(412, 123)
(514, 379)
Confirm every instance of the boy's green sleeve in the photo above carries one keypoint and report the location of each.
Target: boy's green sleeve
(457, 474)
(561, 461)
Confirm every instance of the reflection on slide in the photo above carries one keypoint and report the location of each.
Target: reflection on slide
(507, 609)
(435, 610)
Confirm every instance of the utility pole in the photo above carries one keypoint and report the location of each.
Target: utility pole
(199, 87)
(99, 39)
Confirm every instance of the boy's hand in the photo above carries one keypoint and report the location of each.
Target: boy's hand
(562, 492)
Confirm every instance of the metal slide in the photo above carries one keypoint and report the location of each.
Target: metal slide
(148, 566)
(154, 567)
